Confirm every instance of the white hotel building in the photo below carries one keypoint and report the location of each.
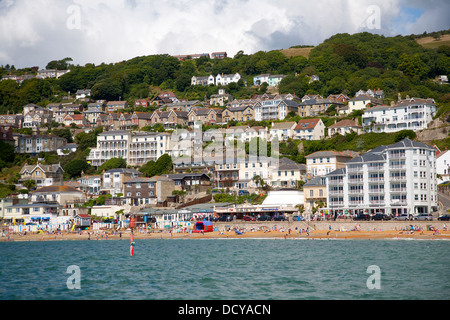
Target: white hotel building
(137, 148)
(411, 114)
(394, 179)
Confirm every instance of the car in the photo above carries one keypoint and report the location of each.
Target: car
(423, 217)
(297, 218)
(380, 216)
(402, 217)
(444, 218)
(263, 218)
(249, 218)
(225, 218)
(279, 218)
(362, 216)
(243, 193)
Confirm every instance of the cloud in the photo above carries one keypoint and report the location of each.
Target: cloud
(34, 32)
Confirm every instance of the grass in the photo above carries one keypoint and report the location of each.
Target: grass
(294, 52)
(431, 43)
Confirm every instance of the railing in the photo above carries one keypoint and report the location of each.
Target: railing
(357, 191)
(375, 168)
(398, 189)
(402, 178)
(377, 190)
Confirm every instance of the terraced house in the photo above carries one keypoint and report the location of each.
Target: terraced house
(241, 113)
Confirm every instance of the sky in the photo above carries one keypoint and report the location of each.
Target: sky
(34, 32)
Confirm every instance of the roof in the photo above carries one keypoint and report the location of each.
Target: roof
(57, 189)
(307, 124)
(283, 125)
(124, 170)
(316, 181)
(408, 143)
(329, 153)
(288, 164)
(344, 123)
(44, 167)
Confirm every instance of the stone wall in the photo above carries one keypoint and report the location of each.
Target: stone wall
(335, 225)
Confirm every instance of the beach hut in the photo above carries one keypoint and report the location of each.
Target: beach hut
(203, 226)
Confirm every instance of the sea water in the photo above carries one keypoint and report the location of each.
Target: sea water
(225, 269)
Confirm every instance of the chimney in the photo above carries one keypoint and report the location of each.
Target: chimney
(392, 103)
(399, 97)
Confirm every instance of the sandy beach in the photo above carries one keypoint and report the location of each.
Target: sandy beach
(247, 234)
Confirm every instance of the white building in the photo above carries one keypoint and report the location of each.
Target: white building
(283, 130)
(395, 179)
(411, 114)
(225, 79)
(51, 73)
(274, 109)
(135, 147)
(443, 166)
(310, 129)
(203, 81)
(321, 163)
(361, 102)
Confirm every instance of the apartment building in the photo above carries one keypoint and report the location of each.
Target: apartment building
(38, 143)
(410, 114)
(137, 148)
(277, 173)
(321, 163)
(114, 179)
(274, 109)
(395, 179)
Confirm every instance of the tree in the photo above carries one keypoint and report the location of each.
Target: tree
(107, 89)
(413, 66)
(59, 64)
(75, 167)
(29, 184)
(114, 163)
(163, 165)
(63, 133)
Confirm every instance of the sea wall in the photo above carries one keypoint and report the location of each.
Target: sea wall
(343, 225)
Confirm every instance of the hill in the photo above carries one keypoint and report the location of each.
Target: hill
(344, 63)
(295, 52)
(432, 43)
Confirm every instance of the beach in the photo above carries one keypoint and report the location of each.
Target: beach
(322, 230)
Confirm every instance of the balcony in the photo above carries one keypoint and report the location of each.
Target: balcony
(398, 178)
(375, 168)
(356, 191)
(335, 192)
(398, 190)
(377, 190)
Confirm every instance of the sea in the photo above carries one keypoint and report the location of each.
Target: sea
(226, 269)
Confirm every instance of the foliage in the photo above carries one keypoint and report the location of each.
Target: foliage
(75, 167)
(162, 165)
(113, 163)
